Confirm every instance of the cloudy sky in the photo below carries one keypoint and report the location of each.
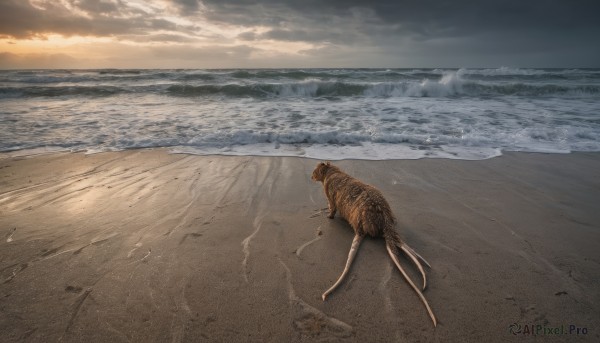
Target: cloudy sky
(298, 33)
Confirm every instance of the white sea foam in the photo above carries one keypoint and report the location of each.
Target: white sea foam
(366, 151)
(319, 113)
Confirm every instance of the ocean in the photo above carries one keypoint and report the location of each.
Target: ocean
(319, 113)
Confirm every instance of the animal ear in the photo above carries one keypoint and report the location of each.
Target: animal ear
(328, 164)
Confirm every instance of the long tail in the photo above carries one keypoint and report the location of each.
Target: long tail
(392, 243)
(404, 245)
(417, 264)
(393, 239)
(353, 249)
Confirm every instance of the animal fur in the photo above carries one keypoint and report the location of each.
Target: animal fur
(367, 211)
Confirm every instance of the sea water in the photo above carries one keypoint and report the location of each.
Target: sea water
(320, 113)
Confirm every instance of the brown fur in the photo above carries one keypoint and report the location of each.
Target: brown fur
(368, 213)
(362, 205)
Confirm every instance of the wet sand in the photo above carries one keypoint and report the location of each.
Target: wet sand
(146, 246)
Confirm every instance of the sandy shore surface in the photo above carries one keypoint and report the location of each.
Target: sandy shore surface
(146, 246)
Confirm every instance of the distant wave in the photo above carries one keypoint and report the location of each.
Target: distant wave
(120, 71)
(290, 74)
(386, 83)
(55, 91)
(552, 72)
(448, 86)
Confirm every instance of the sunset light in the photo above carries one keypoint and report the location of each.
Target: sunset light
(234, 34)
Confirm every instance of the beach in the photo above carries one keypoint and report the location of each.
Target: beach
(148, 246)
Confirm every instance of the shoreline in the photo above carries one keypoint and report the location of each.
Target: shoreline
(147, 245)
(177, 150)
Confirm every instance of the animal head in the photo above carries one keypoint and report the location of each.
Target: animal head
(320, 171)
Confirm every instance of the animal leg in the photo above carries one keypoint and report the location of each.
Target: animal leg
(397, 263)
(415, 253)
(330, 202)
(417, 263)
(332, 210)
(353, 249)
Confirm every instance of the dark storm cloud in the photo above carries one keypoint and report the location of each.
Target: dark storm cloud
(351, 32)
(188, 7)
(473, 29)
(421, 17)
(20, 19)
(337, 21)
(98, 7)
(314, 36)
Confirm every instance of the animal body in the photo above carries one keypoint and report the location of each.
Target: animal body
(367, 211)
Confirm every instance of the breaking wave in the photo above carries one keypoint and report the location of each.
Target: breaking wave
(325, 113)
(56, 91)
(307, 83)
(449, 85)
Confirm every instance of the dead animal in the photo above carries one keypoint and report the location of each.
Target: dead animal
(367, 211)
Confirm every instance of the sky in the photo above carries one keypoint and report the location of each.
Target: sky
(298, 33)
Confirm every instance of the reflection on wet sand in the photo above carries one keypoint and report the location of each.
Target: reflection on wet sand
(149, 246)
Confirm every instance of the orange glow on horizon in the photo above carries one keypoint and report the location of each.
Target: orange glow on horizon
(88, 46)
(51, 43)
